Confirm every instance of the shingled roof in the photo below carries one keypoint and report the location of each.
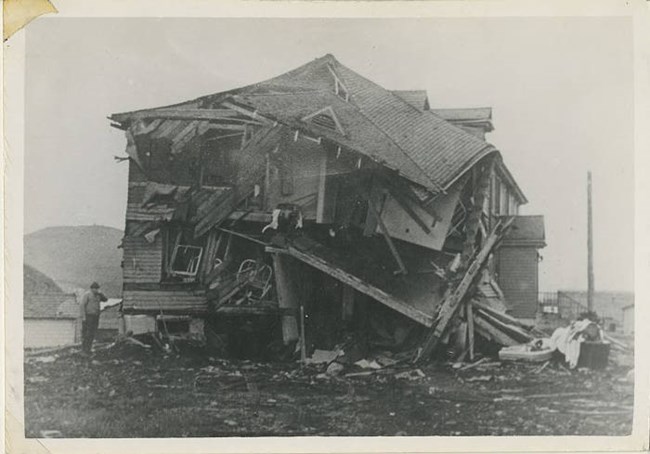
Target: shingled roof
(417, 98)
(419, 145)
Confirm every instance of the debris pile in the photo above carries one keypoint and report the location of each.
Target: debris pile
(462, 314)
(290, 213)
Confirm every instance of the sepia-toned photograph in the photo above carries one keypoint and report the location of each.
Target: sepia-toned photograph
(358, 227)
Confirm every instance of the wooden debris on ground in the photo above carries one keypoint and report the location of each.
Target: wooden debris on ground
(476, 316)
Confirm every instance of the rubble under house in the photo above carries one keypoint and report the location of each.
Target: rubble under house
(316, 205)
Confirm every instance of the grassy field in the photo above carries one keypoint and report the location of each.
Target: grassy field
(128, 391)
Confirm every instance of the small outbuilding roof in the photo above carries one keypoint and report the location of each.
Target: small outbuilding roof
(51, 306)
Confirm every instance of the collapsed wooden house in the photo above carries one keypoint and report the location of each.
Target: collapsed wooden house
(317, 199)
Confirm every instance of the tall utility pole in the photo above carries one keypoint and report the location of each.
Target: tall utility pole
(590, 248)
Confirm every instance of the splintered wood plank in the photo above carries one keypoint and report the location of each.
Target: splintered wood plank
(470, 329)
(454, 297)
(165, 128)
(180, 114)
(492, 333)
(252, 113)
(183, 136)
(501, 315)
(139, 127)
(512, 330)
(481, 186)
(386, 234)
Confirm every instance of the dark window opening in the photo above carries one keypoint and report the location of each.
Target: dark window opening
(324, 121)
(173, 326)
(185, 260)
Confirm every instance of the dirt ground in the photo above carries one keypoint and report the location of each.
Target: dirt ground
(129, 391)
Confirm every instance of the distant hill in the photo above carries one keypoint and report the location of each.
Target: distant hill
(37, 283)
(75, 256)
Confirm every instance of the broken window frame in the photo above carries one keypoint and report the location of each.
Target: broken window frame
(194, 264)
(175, 237)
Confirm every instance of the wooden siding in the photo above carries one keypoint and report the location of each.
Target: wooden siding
(162, 300)
(517, 269)
(142, 260)
(41, 333)
(136, 212)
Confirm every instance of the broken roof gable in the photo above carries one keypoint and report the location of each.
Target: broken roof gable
(361, 135)
(423, 147)
(442, 150)
(437, 148)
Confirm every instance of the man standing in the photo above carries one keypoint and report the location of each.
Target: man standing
(90, 316)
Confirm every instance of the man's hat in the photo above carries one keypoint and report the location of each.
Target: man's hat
(94, 285)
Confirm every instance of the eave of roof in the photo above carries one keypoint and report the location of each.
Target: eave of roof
(505, 174)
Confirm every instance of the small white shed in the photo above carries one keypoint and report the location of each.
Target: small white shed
(51, 320)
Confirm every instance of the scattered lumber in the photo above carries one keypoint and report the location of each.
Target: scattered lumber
(512, 331)
(473, 365)
(454, 296)
(501, 315)
(556, 395)
(542, 367)
(470, 329)
(492, 333)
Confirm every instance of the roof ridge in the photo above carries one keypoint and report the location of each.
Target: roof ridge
(482, 143)
(404, 152)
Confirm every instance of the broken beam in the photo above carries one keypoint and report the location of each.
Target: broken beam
(356, 283)
(512, 331)
(453, 298)
(247, 112)
(492, 333)
(384, 232)
(470, 329)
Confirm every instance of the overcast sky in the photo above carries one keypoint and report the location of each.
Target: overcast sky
(560, 88)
